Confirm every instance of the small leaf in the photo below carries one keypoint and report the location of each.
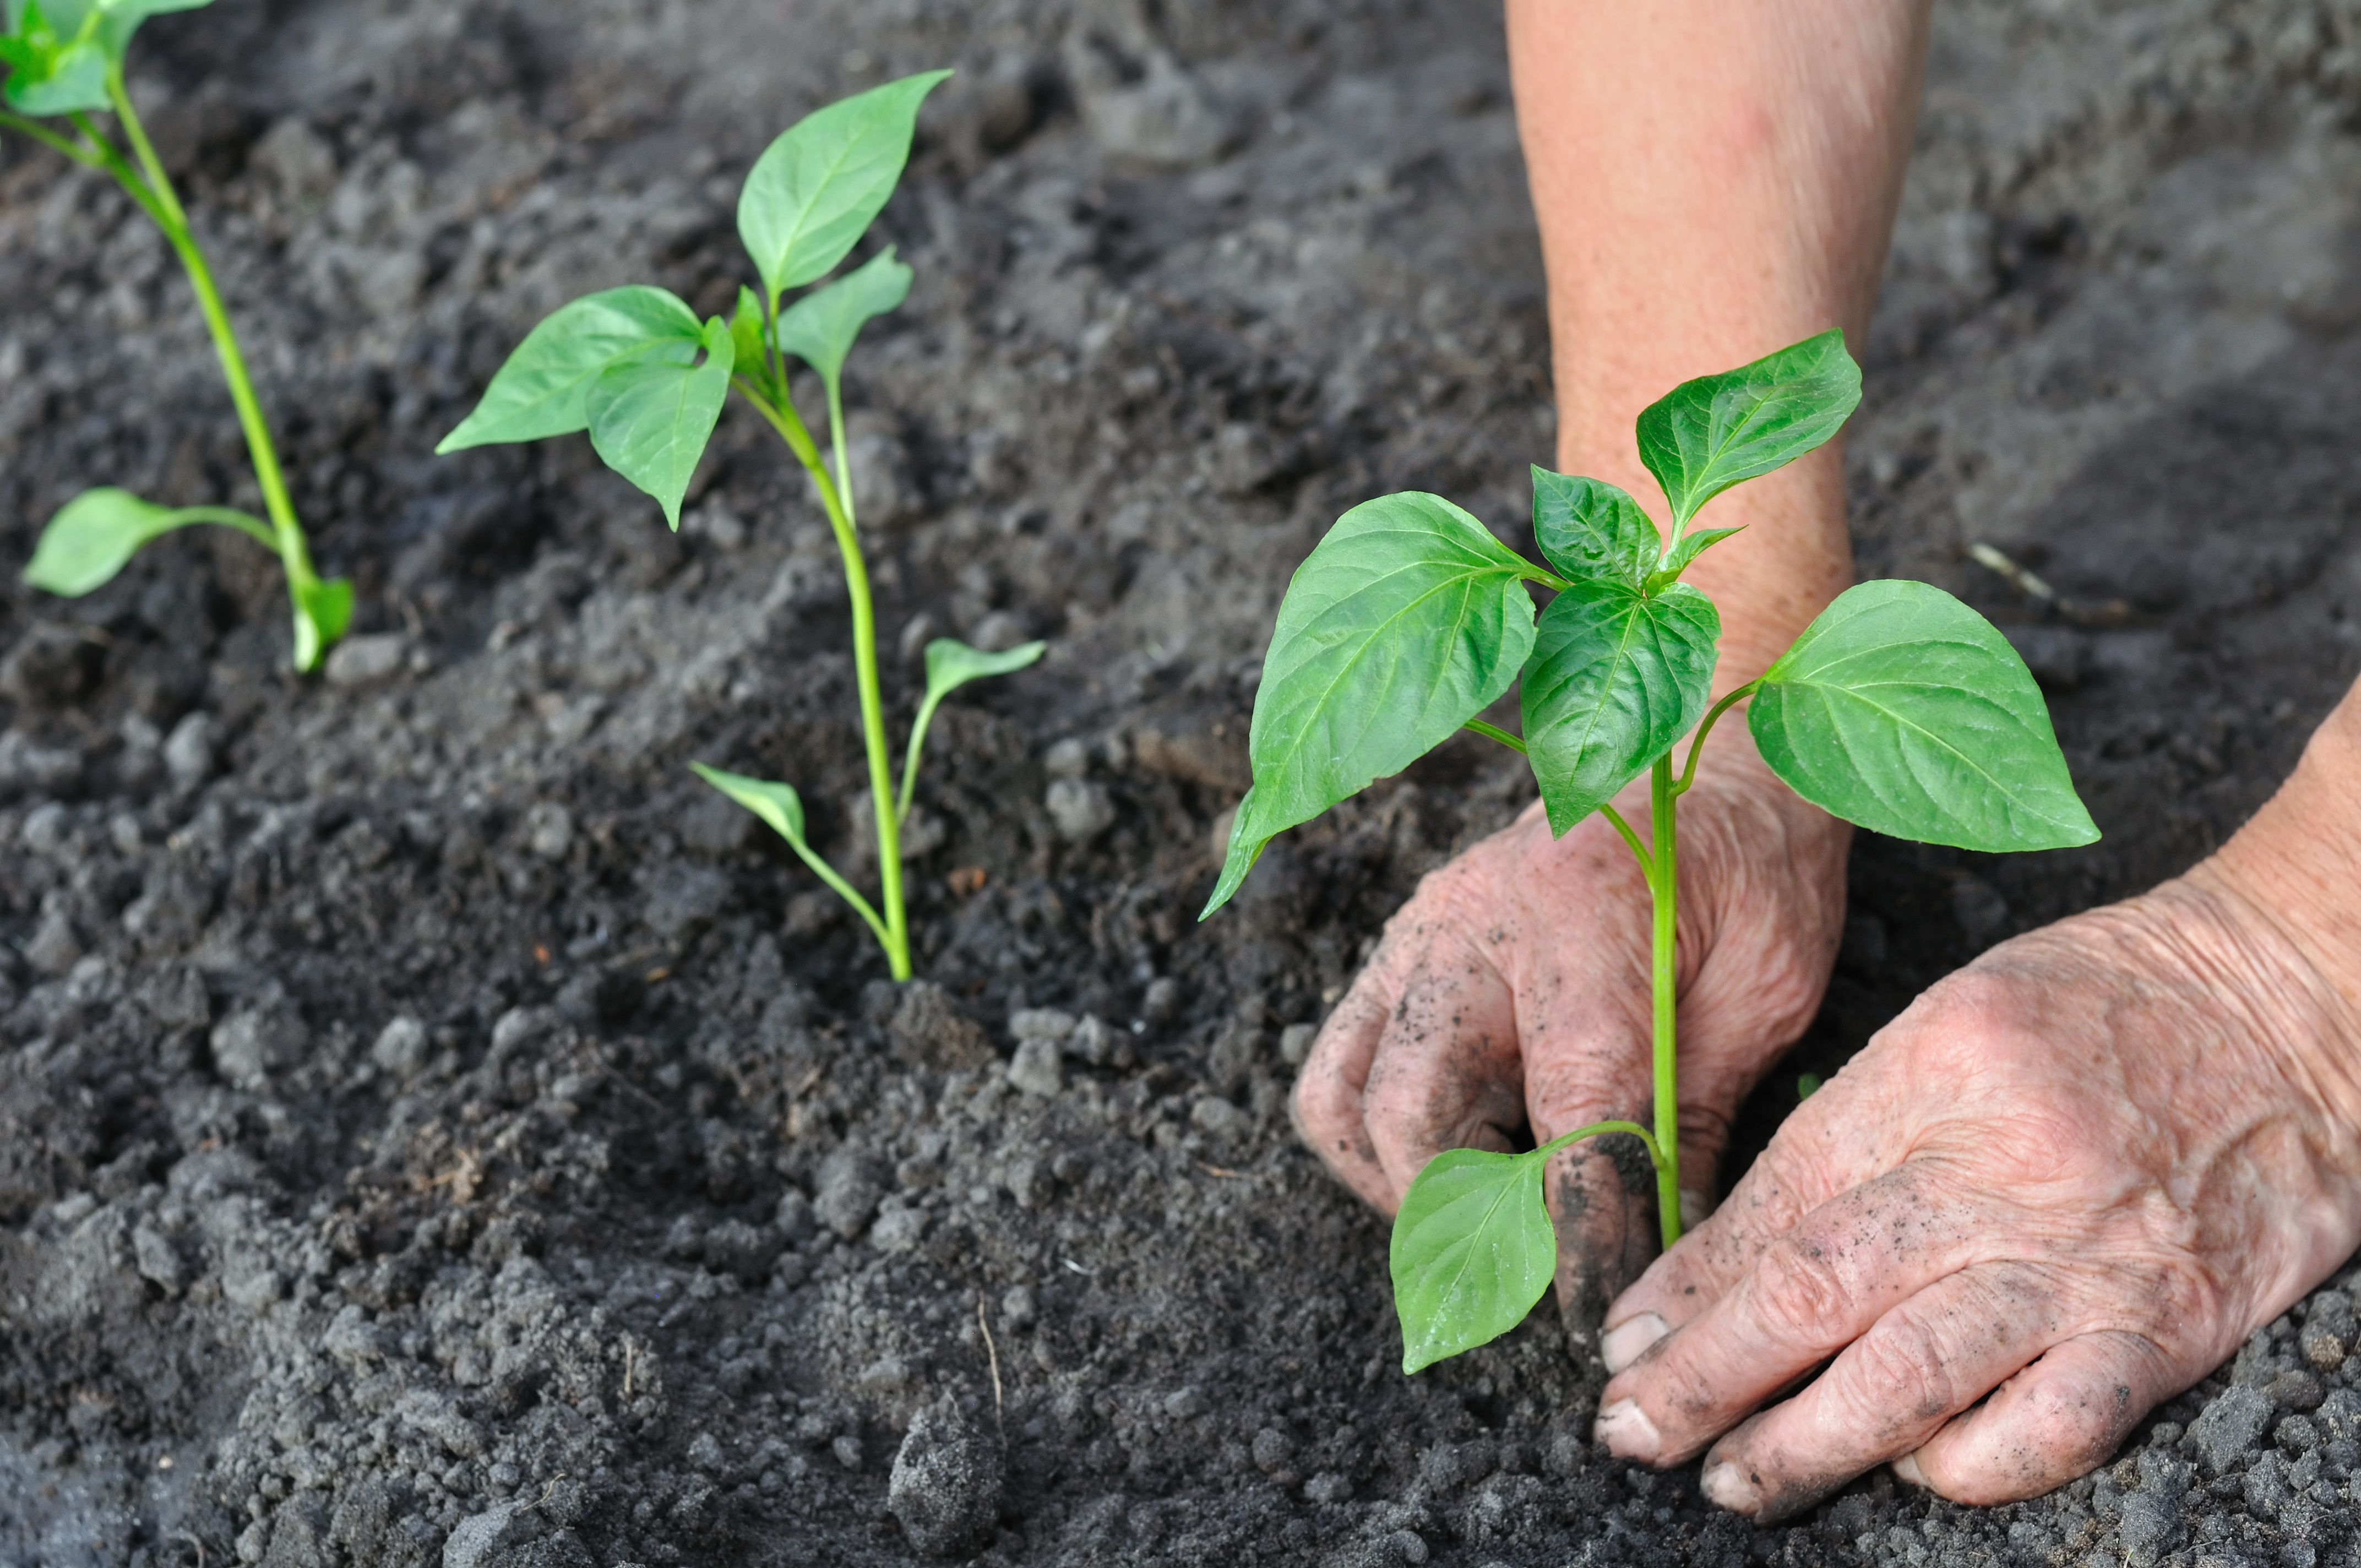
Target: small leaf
(951, 663)
(1616, 677)
(1588, 528)
(777, 803)
(1708, 434)
(819, 329)
(749, 341)
(1677, 559)
(91, 538)
(322, 611)
(1404, 623)
(55, 66)
(1903, 710)
(544, 387)
(1472, 1252)
(817, 188)
(650, 417)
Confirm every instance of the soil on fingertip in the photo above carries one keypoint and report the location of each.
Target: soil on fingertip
(435, 1127)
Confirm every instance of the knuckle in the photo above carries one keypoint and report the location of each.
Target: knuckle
(1799, 1292)
(1903, 1371)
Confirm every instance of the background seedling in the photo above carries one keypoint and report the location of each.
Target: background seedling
(635, 369)
(1900, 709)
(65, 60)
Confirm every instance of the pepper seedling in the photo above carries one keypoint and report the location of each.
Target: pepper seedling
(1899, 708)
(635, 369)
(65, 60)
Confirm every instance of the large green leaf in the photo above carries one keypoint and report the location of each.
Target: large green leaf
(652, 415)
(1708, 434)
(1590, 529)
(1472, 1251)
(814, 191)
(544, 387)
(819, 329)
(1902, 710)
(1404, 624)
(1616, 677)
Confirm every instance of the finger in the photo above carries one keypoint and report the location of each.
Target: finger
(1889, 1392)
(1446, 1074)
(1809, 1293)
(1812, 1159)
(1326, 1104)
(2063, 1416)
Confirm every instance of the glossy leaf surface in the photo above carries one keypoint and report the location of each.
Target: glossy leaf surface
(1903, 710)
(1616, 677)
(819, 328)
(1708, 434)
(651, 416)
(1588, 529)
(817, 187)
(1472, 1252)
(1405, 621)
(544, 387)
(1692, 545)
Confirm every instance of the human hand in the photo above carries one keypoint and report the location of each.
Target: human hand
(1513, 989)
(2078, 1172)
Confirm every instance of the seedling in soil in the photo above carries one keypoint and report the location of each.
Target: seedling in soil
(65, 60)
(1900, 709)
(635, 369)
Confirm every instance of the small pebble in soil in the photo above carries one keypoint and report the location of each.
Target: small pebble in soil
(946, 1484)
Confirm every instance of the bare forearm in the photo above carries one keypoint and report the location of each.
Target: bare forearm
(1714, 182)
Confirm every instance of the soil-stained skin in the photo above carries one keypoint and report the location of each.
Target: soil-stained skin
(425, 1109)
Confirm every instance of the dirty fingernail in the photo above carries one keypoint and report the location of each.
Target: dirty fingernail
(1623, 1344)
(1727, 1485)
(1627, 1431)
(1906, 1469)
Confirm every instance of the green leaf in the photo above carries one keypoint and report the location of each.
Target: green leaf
(1472, 1251)
(951, 663)
(816, 189)
(750, 340)
(1616, 677)
(322, 610)
(1708, 434)
(93, 537)
(820, 327)
(1405, 623)
(650, 417)
(779, 806)
(1677, 559)
(544, 387)
(1588, 529)
(1902, 710)
(60, 52)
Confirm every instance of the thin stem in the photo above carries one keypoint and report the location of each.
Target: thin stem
(895, 937)
(910, 757)
(294, 554)
(1688, 774)
(1647, 865)
(87, 157)
(844, 890)
(246, 522)
(836, 439)
(1494, 732)
(1663, 883)
(110, 158)
(1595, 1129)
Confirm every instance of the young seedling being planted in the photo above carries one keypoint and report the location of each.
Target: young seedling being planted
(1899, 708)
(65, 61)
(635, 369)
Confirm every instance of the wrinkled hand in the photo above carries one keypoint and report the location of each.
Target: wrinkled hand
(1513, 990)
(2078, 1172)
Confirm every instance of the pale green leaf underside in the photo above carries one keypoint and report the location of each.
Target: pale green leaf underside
(93, 537)
(1588, 528)
(1405, 621)
(650, 417)
(1616, 677)
(816, 187)
(544, 387)
(1472, 1252)
(951, 663)
(819, 328)
(1708, 434)
(1905, 712)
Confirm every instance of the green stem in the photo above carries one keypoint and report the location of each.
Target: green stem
(163, 204)
(1494, 732)
(836, 440)
(246, 522)
(1688, 774)
(1647, 862)
(910, 758)
(896, 937)
(1594, 1130)
(1664, 884)
(87, 157)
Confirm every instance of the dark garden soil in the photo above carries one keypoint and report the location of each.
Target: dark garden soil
(434, 1128)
